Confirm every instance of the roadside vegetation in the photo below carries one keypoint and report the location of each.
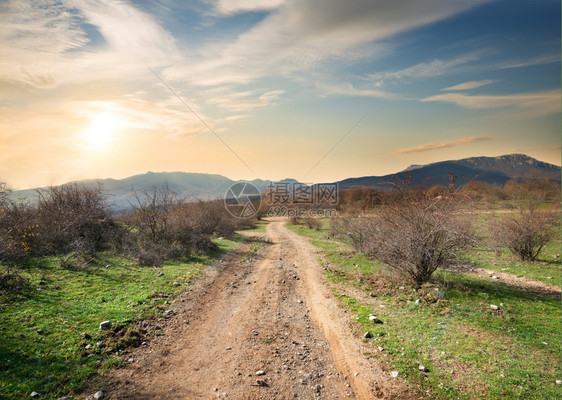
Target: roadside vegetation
(67, 264)
(460, 332)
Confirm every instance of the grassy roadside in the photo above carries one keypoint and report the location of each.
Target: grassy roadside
(51, 339)
(260, 226)
(469, 349)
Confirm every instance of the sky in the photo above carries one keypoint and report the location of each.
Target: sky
(315, 90)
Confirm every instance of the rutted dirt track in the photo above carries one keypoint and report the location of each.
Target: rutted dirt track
(272, 313)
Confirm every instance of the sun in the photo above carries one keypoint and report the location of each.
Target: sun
(101, 131)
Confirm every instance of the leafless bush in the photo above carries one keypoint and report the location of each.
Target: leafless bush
(358, 229)
(73, 218)
(419, 234)
(152, 210)
(168, 227)
(524, 234)
(19, 238)
(312, 223)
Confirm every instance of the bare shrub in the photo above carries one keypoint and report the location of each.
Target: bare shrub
(152, 209)
(293, 221)
(419, 234)
(168, 227)
(73, 218)
(312, 223)
(358, 229)
(19, 231)
(524, 234)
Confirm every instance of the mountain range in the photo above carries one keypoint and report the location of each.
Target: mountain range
(495, 170)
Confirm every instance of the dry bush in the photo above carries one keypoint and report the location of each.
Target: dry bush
(19, 237)
(419, 233)
(312, 223)
(524, 234)
(357, 229)
(73, 219)
(168, 227)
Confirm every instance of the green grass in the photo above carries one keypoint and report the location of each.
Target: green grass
(321, 233)
(546, 269)
(471, 351)
(41, 347)
(255, 247)
(260, 226)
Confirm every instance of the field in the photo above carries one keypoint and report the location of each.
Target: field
(487, 327)
(51, 339)
(450, 326)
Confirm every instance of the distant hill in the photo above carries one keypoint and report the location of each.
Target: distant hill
(496, 170)
(190, 185)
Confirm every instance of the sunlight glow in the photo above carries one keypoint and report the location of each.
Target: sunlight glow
(101, 132)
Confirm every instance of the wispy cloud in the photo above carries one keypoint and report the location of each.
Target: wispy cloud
(128, 30)
(229, 7)
(348, 89)
(549, 59)
(247, 100)
(429, 69)
(536, 103)
(469, 85)
(442, 145)
(44, 43)
(34, 36)
(303, 35)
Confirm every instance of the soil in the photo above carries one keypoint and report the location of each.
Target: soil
(271, 313)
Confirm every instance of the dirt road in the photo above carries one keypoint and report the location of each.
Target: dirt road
(271, 313)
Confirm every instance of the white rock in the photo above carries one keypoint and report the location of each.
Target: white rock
(494, 307)
(34, 394)
(99, 395)
(260, 372)
(176, 284)
(367, 335)
(418, 301)
(558, 382)
(394, 374)
(373, 318)
(422, 368)
(105, 325)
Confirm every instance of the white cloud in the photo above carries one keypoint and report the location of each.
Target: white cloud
(529, 62)
(245, 101)
(34, 36)
(532, 104)
(44, 44)
(129, 31)
(469, 85)
(302, 35)
(229, 7)
(427, 69)
(348, 89)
